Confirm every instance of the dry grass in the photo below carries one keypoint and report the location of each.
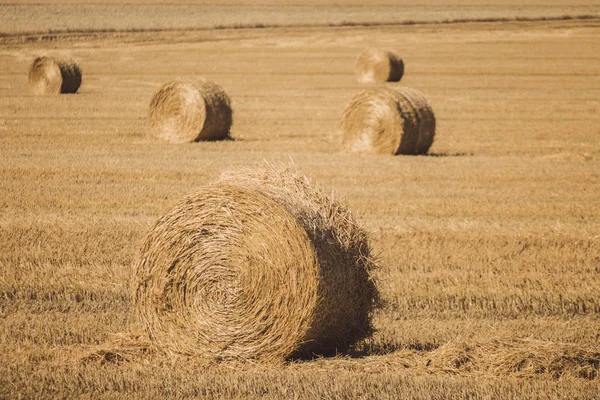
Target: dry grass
(84, 16)
(489, 246)
(522, 358)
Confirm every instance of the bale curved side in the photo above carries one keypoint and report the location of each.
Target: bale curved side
(182, 111)
(388, 121)
(242, 271)
(50, 76)
(347, 293)
(374, 65)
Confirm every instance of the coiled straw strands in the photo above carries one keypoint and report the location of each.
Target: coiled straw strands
(50, 76)
(374, 65)
(388, 120)
(260, 265)
(184, 111)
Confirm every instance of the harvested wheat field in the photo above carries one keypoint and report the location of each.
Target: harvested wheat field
(485, 250)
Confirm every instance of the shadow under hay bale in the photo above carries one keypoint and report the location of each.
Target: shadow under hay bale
(260, 265)
(183, 112)
(50, 76)
(376, 66)
(388, 121)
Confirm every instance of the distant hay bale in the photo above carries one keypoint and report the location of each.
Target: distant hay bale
(388, 121)
(374, 65)
(257, 266)
(50, 76)
(183, 112)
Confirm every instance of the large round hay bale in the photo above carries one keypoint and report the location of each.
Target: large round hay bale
(388, 121)
(374, 65)
(183, 111)
(50, 76)
(257, 266)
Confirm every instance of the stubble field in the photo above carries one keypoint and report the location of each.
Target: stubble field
(489, 246)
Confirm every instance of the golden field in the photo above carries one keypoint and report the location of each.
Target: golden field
(489, 247)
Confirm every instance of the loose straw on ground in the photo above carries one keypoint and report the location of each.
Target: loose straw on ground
(388, 120)
(260, 265)
(183, 111)
(522, 358)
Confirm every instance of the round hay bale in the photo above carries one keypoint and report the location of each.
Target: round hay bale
(388, 121)
(374, 65)
(183, 112)
(257, 266)
(50, 76)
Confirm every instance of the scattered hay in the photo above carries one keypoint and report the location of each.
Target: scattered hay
(120, 348)
(183, 112)
(388, 121)
(50, 76)
(260, 265)
(522, 358)
(374, 65)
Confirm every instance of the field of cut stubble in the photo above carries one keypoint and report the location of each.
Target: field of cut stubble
(489, 246)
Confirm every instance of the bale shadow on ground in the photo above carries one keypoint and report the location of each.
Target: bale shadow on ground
(446, 154)
(365, 349)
